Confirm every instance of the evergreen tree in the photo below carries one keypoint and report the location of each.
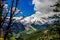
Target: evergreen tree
(57, 6)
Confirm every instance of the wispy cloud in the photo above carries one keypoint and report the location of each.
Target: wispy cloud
(5, 6)
(17, 10)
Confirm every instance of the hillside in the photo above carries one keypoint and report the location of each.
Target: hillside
(50, 33)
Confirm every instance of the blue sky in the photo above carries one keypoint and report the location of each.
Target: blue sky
(29, 7)
(25, 6)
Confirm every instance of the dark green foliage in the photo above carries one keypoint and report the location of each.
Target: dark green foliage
(52, 34)
(57, 6)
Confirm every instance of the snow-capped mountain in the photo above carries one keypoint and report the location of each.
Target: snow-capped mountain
(37, 19)
(34, 22)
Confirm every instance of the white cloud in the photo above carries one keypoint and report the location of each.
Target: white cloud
(16, 18)
(5, 6)
(43, 6)
(17, 10)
